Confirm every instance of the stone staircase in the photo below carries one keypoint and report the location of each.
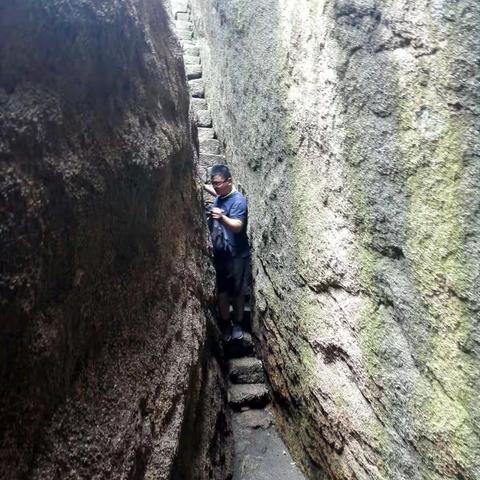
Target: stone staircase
(247, 382)
(259, 451)
(211, 151)
(247, 387)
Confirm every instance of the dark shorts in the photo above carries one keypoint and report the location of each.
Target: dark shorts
(233, 275)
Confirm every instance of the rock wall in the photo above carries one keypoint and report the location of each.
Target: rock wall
(353, 126)
(104, 369)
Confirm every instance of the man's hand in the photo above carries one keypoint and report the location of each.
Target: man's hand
(232, 224)
(216, 213)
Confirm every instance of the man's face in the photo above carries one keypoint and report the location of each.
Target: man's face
(223, 186)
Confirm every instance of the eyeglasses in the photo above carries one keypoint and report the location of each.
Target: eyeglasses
(217, 184)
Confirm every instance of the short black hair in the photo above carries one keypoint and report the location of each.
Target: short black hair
(220, 170)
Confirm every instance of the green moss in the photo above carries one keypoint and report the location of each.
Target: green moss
(442, 406)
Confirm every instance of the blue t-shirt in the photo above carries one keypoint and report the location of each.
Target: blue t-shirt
(235, 206)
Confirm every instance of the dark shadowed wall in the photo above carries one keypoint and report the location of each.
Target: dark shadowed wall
(103, 276)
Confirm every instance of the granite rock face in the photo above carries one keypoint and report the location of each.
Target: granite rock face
(104, 369)
(353, 126)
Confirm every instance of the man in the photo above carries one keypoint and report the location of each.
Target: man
(232, 265)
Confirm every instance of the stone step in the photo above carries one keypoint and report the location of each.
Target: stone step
(204, 119)
(210, 146)
(210, 160)
(197, 88)
(179, 6)
(199, 104)
(253, 395)
(239, 348)
(246, 370)
(205, 133)
(254, 419)
(184, 34)
(193, 71)
(188, 43)
(191, 51)
(191, 60)
(182, 16)
(184, 25)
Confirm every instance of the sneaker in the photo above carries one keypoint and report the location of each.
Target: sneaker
(237, 332)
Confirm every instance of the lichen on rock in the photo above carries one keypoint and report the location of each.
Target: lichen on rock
(353, 127)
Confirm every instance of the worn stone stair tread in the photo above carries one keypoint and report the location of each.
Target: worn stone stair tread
(200, 103)
(184, 34)
(204, 119)
(182, 16)
(191, 59)
(179, 6)
(259, 452)
(252, 395)
(191, 42)
(193, 71)
(205, 133)
(197, 88)
(210, 146)
(211, 159)
(191, 51)
(258, 418)
(184, 25)
(246, 370)
(197, 104)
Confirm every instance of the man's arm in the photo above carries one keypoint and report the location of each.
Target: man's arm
(233, 224)
(210, 189)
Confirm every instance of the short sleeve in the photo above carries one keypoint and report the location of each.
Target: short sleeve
(239, 210)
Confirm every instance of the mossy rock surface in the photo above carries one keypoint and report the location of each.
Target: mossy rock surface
(353, 127)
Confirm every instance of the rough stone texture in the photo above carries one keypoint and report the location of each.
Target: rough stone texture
(260, 453)
(254, 395)
(246, 370)
(179, 6)
(204, 118)
(185, 17)
(103, 364)
(211, 159)
(184, 25)
(193, 71)
(353, 126)
(240, 348)
(184, 34)
(188, 43)
(210, 146)
(193, 52)
(198, 104)
(197, 88)
(191, 59)
(205, 134)
(254, 418)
